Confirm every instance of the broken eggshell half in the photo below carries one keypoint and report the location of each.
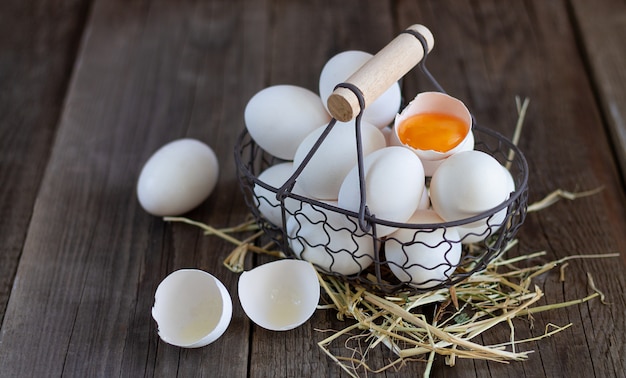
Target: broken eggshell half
(280, 295)
(192, 308)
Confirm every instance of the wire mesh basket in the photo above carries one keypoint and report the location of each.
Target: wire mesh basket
(347, 244)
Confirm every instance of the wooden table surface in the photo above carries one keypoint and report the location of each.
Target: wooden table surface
(89, 89)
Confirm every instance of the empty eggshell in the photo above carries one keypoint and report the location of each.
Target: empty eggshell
(324, 173)
(340, 67)
(279, 117)
(330, 240)
(177, 177)
(425, 257)
(279, 295)
(394, 185)
(192, 308)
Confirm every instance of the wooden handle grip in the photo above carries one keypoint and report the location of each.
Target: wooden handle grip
(380, 72)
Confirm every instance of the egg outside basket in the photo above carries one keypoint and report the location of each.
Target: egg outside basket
(364, 250)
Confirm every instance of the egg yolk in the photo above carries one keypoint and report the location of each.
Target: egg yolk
(432, 131)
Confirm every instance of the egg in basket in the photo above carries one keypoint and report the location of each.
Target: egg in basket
(408, 200)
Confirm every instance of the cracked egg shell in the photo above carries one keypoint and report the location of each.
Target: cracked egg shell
(192, 308)
(435, 126)
(280, 295)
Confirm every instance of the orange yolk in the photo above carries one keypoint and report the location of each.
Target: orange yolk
(432, 131)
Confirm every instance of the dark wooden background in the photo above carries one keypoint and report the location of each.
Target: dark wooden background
(89, 89)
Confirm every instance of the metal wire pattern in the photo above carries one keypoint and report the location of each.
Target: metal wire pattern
(363, 251)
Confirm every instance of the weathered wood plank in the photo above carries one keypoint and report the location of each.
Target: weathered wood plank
(602, 30)
(148, 72)
(493, 53)
(36, 60)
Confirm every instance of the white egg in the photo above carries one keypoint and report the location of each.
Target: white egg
(192, 308)
(265, 199)
(330, 240)
(394, 185)
(424, 257)
(441, 104)
(340, 67)
(467, 184)
(481, 229)
(279, 117)
(177, 178)
(324, 173)
(279, 295)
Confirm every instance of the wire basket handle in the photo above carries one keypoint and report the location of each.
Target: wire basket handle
(351, 97)
(389, 65)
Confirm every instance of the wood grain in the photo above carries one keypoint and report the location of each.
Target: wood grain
(86, 259)
(104, 256)
(601, 28)
(35, 65)
(500, 52)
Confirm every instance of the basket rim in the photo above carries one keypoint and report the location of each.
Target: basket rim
(513, 197)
